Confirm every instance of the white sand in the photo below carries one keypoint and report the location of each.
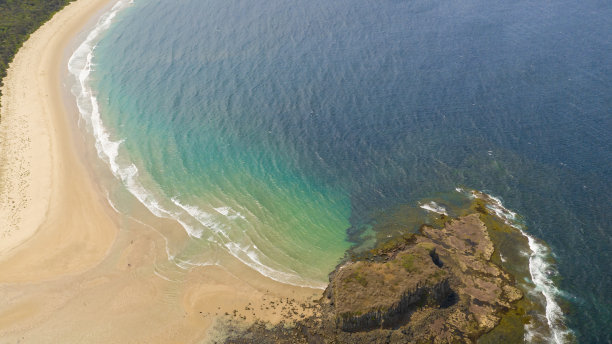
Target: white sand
(45, 188)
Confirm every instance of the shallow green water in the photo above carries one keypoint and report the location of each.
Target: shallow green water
(278, 131)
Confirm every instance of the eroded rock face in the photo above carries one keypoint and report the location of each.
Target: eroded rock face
(438, 286)
(368, 295)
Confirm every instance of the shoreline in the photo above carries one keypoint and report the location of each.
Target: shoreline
(74, 269)
(107, 156)
(86, 267)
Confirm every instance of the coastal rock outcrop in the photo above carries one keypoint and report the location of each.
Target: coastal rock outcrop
(437, 286)
(367, 295)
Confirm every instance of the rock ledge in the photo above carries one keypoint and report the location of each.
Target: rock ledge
(438, 286)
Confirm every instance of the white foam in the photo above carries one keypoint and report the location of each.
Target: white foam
(203, 218)
(162, 276)
(434, 208)
(186, 264)
(229, 213)
(247, 253)
(80, 66)
(497, 206)
(191, 230)
(223, 210)
(110, 202)
(539, 270)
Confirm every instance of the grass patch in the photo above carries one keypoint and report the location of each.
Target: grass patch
(408, 262)
(359, 277)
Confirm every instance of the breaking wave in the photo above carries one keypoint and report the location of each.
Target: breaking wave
(434, 208)
(80, 67)
(539, 269)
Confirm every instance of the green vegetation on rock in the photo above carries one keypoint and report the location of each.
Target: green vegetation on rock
(451, 279)
(408, 262)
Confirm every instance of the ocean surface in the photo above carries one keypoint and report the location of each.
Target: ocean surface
(281, 131)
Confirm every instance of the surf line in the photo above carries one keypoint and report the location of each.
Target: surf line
(538, 268)
(80, 66)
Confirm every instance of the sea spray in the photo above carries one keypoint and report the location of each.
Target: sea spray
(539, 269)
(434, 207)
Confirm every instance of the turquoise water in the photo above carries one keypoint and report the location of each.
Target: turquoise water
(278, 131)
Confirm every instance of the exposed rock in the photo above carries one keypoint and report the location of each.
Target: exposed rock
(422, 287)
(368, 295)
(438, 286)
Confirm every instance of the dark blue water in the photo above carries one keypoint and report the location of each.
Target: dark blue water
(290, 125)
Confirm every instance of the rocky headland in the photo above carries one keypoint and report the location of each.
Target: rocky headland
(440, 285)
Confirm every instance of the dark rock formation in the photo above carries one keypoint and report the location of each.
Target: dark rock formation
(438, 286)
(367, 295)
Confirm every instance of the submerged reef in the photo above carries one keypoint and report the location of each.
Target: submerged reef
(443, 284)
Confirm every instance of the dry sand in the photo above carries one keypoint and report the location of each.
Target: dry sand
(71, 269)
(45, 188)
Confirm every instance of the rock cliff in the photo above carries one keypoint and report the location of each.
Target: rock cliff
(438, 286)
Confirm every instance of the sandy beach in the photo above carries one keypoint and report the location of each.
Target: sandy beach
(70, 272)
(47, 197)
